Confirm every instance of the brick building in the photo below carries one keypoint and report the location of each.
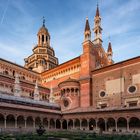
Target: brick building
(89, 92)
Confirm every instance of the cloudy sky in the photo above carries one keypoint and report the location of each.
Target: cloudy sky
(20, 21)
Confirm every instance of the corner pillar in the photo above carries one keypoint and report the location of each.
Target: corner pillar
(5, 121)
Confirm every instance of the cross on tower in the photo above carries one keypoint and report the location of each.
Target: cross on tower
(43, 21)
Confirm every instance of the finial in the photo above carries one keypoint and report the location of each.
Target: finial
(43, 21)
(109, 38)
(97, 3)
(97, 10)
(86, 17)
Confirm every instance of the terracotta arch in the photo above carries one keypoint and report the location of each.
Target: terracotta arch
(111, 126)
(10, 121)
(20, 122)
(101, 124)
(122, 124)
(58, 124)
(92, 124)
(70, 124)
(134, 124)
(29, 122)
(37, 121)
(45, 122)
(64, 124)
(52, 124)
(77, 123)
(84, 124)
(1, 120)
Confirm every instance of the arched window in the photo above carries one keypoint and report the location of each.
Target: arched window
(42, 38)
(13, 73)
(46, 38)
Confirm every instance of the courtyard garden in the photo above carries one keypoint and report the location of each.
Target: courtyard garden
(67, 136)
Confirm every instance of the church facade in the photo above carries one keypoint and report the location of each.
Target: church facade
(89, 92)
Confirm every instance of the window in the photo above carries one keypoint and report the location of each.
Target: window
(132, 104)
(66, 103)
(42, 38)
(132, 89)
(103, 105)
(31, 94)
(102, 93)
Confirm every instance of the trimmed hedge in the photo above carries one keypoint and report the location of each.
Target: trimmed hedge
(70, 136)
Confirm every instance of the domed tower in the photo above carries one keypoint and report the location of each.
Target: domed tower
(43, 36)
(43, 57)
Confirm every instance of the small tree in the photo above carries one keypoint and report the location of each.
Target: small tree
(41, 130)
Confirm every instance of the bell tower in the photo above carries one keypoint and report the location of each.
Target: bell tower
(97, 28)
(43, 57)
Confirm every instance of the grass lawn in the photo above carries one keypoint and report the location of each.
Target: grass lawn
(69, 135)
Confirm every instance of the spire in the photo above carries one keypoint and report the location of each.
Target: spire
(87, 30)
(109, 53)
(97, 11)
(97, 28)
(36, 92)
(87, 27)
(109, 47)
(17, 88)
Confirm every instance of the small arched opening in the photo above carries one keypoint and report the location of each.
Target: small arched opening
(64, 124)
(77, 124)
(10, 121)
(29, 122)
(122, 124)
(92, 124)
(43, 38)
(70, 124)
(111, 125)
(37, 122)
(1, 121)
(101, 124)
(84, 124)
(45, 122)
(20, 122)
(134, 124)
(58, 124)
(52, 124)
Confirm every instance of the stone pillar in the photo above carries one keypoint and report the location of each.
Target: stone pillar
(88, 124)
(116, 126)
(15, 122)
(48, 124)
(4, 121)
(60, 124)
(128, 125)
(96, 121)
(80, 125)
(41, 120)
(33, 122)
(55, 124)
(105, 125)
(67, 124)
(25, 124)
(73, 127)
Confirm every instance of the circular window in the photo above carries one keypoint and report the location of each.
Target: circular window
(132, 89)
(102, 93)
(66, 103)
